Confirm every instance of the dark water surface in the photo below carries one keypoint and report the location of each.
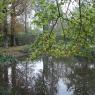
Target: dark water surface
(48, 76)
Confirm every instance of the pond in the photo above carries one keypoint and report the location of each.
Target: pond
(48, 76)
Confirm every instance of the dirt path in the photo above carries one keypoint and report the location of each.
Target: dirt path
(17, 51)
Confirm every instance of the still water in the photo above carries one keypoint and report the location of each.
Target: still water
(48, 76)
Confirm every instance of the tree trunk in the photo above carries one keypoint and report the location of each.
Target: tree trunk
(25, 18)
(13, 17)
(5, 27)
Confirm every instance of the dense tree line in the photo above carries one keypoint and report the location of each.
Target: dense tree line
(9, 11)
(75, 27)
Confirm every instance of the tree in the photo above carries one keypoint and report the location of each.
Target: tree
(78, 35)
(17, 8)
(5, 25)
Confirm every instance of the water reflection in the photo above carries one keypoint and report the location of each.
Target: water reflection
(48, 76)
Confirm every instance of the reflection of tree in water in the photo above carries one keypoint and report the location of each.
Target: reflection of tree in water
(23, 81)
(44, 84)
(79, 77)
(47, 83)
(15, 82)
(82, 78)
(3, 79)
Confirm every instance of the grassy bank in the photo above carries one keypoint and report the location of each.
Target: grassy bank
(13, 51)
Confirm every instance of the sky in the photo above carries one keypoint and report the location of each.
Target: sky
(71, 7)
